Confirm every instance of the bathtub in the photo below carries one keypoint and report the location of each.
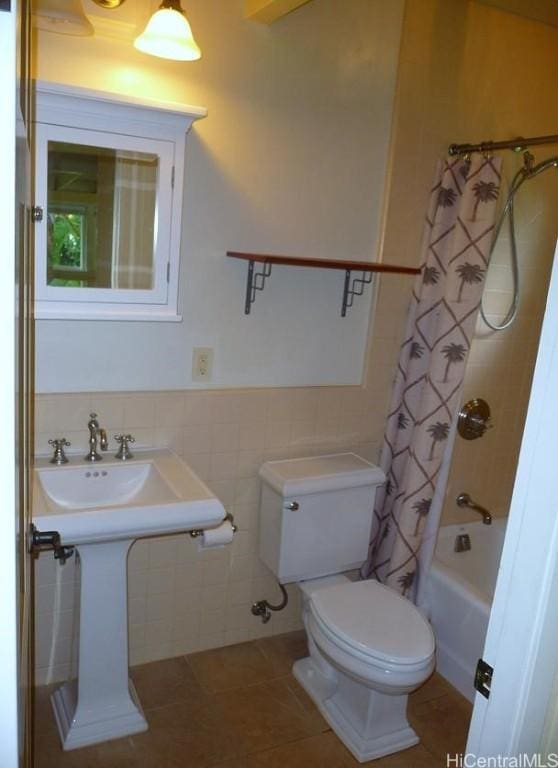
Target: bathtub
(461, 587)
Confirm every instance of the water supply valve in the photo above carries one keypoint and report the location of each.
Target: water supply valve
(49, 541)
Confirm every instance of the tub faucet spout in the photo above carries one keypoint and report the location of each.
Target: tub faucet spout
(464, 500)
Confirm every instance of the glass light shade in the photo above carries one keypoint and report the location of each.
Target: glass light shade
(169, 36)
(63, 16)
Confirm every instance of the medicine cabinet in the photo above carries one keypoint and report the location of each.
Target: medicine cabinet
(108, 209)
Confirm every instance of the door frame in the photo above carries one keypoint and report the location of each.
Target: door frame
(521, 638)
(9, 737)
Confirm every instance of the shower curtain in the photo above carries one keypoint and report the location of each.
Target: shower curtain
(429, 378)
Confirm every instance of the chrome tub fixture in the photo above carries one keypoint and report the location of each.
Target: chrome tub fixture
(464, 500)
(462, 543)
(474, 419)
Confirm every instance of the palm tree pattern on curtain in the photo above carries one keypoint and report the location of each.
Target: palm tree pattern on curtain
(440, 325)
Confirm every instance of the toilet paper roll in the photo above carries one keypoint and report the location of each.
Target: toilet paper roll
(214, 538)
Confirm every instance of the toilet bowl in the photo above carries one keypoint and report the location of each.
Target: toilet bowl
(369, 647)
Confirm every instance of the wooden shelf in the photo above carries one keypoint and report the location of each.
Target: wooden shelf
(295, 261)
(256, 280)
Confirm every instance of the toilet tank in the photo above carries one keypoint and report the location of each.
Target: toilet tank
(315, 514)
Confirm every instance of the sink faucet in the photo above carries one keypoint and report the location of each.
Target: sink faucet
(95, 432)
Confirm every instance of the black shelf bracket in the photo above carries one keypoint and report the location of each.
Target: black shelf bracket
(255, 281)
(353, 288)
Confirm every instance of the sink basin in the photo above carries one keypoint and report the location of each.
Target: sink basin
(152, 494)
(101, 509)
(83, 488)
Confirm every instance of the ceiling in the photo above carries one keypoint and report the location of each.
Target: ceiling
(268, 11)
(540, 10)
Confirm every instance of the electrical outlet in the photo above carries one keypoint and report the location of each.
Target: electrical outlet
(202, 363)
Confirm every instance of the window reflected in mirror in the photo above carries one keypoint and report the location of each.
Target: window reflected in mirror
(102, 217)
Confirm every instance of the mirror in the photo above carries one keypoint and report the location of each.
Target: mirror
(107, 211)
(101, 217)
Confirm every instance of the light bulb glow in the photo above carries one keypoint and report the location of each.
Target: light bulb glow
(169, 36)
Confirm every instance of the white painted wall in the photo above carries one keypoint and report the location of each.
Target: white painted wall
(290, 160)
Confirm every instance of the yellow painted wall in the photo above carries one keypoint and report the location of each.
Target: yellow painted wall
(291, 159)
(468, 73)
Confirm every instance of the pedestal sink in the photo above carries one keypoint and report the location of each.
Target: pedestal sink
(101, 509)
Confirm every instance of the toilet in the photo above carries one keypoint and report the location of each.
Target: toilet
(368, 646)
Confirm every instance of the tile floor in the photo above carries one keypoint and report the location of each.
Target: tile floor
(239, 707)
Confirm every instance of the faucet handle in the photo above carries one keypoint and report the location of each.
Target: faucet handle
(124, 451)
(59, 457)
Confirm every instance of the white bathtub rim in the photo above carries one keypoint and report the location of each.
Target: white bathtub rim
(461, 586)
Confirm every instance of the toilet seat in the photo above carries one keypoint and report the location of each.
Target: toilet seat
(373, 623)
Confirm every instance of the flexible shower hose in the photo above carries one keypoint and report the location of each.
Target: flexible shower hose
(517, 181)
(529, 171)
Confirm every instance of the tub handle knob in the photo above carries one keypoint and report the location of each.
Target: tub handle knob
(474, 419)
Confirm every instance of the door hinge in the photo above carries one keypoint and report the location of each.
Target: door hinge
(36, 213)
(483, 678)
(168, 271)
(172, 177)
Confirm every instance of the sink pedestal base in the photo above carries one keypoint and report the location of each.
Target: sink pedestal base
(80, 731)
(102, 703)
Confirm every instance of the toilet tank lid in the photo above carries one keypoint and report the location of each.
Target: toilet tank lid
(315, 474)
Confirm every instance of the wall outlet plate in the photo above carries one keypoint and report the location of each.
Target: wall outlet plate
(202, 364)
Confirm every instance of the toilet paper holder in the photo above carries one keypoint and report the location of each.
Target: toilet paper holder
(199, 531)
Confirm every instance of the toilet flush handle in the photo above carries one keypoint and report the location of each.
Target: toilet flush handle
(293, 506)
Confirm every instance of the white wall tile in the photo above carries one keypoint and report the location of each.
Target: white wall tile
(183, 598)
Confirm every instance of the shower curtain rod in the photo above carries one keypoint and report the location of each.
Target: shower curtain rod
(518, 145)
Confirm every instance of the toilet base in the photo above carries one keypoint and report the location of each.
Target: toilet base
(370, 724)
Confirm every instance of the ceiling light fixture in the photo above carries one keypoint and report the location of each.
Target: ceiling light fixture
(168, 34)
(109, 3)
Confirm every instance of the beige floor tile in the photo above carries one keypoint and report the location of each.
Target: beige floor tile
(235, 708)
(162, 683)
(44, 718)
(270, 714)
(442, 723)
(234, 666)
(326, 751)
(179, 735)
(184, 737)
(434, 687)
(281, 651)
(416, 757)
